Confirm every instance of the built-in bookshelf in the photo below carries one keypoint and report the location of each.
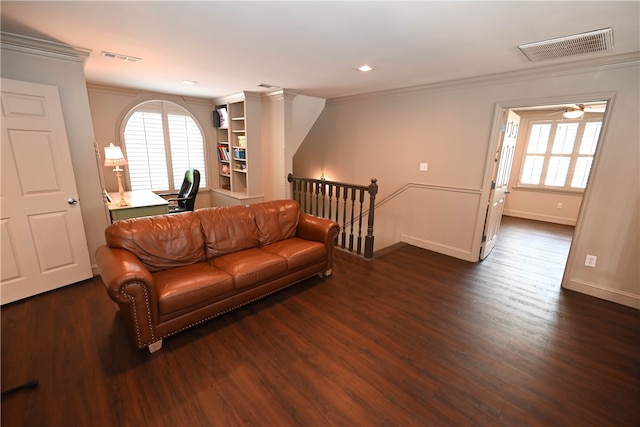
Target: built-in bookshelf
(239, 151)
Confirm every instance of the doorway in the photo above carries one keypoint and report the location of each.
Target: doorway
(555, 150)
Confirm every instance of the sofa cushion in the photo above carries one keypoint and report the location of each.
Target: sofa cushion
(297, 252)
(160, 242)
(276, 220)
(183, 287)
(227, 229)
(251, 266)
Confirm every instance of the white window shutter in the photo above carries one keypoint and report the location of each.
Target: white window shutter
(554, 166)
(187, 148)
(154, 156)
(144, 142)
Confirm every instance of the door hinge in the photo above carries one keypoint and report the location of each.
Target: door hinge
(493, 185)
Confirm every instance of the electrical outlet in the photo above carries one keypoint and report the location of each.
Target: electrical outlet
(424, 167)
(590, 260)
(560, 205)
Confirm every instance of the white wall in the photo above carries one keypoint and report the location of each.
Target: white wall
(273, 151)
(453, 128)
(286, 120)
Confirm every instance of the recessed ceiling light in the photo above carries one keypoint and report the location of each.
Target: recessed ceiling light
(188, 82)
(365, 68)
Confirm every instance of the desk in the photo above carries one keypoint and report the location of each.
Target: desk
(141, 203)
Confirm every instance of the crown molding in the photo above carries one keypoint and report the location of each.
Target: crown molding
(238, 97)
(608, 62)
(151, 95)
(113, 90)
(280, 94)
(46, 48)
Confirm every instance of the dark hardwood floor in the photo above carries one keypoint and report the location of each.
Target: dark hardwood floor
(411, 338)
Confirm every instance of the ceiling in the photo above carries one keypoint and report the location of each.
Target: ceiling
(312, 48)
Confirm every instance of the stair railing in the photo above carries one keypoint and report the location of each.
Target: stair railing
(337, 201)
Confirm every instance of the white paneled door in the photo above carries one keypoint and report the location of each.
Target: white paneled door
(500, 184)
(43, 240)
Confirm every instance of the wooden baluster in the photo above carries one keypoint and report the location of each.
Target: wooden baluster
(344, 216)
(330, 196)
(310, 196)
(323, 190)
(353, 208)
(337, 210)
(317, 185)
(359, 249)
(294, 196)
(304, 195)
(336, 219)
(368, 241)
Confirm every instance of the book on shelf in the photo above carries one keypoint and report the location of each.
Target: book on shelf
(223, 153)
(239, 153)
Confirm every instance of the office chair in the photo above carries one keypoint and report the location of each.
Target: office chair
(187, 195)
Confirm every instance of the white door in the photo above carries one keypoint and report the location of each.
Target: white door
(43, 241)
(500, 184)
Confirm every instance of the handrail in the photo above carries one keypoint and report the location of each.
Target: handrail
(318, 193)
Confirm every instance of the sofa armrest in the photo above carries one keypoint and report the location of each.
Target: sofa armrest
(130, 284)
(318, 229)
(119, 268)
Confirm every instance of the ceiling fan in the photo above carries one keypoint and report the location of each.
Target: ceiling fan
(576, 111)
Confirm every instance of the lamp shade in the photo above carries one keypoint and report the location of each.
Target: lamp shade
(113, 156)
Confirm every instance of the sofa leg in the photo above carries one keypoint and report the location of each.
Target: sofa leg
(153, 347)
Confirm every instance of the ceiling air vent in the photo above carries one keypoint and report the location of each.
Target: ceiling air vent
(268, 86)
(120, 57)
(562, 47)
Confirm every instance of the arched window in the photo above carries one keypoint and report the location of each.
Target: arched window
(162, 140)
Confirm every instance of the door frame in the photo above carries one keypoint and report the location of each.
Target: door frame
(500, 112)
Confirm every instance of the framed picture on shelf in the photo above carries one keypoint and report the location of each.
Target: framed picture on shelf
(220, 117)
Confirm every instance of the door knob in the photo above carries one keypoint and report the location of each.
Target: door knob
(72, 201)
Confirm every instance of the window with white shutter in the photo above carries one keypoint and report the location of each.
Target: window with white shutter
(559, 155)
(162, 140)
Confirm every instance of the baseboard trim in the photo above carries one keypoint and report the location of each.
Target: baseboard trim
(608, 294)
(460, 253)
(539, 217)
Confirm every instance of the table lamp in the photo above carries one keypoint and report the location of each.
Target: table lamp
(113, 157)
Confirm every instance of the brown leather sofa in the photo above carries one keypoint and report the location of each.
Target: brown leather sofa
(171, 272)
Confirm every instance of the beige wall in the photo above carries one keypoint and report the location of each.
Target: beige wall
(109, 106)
(453, 128)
